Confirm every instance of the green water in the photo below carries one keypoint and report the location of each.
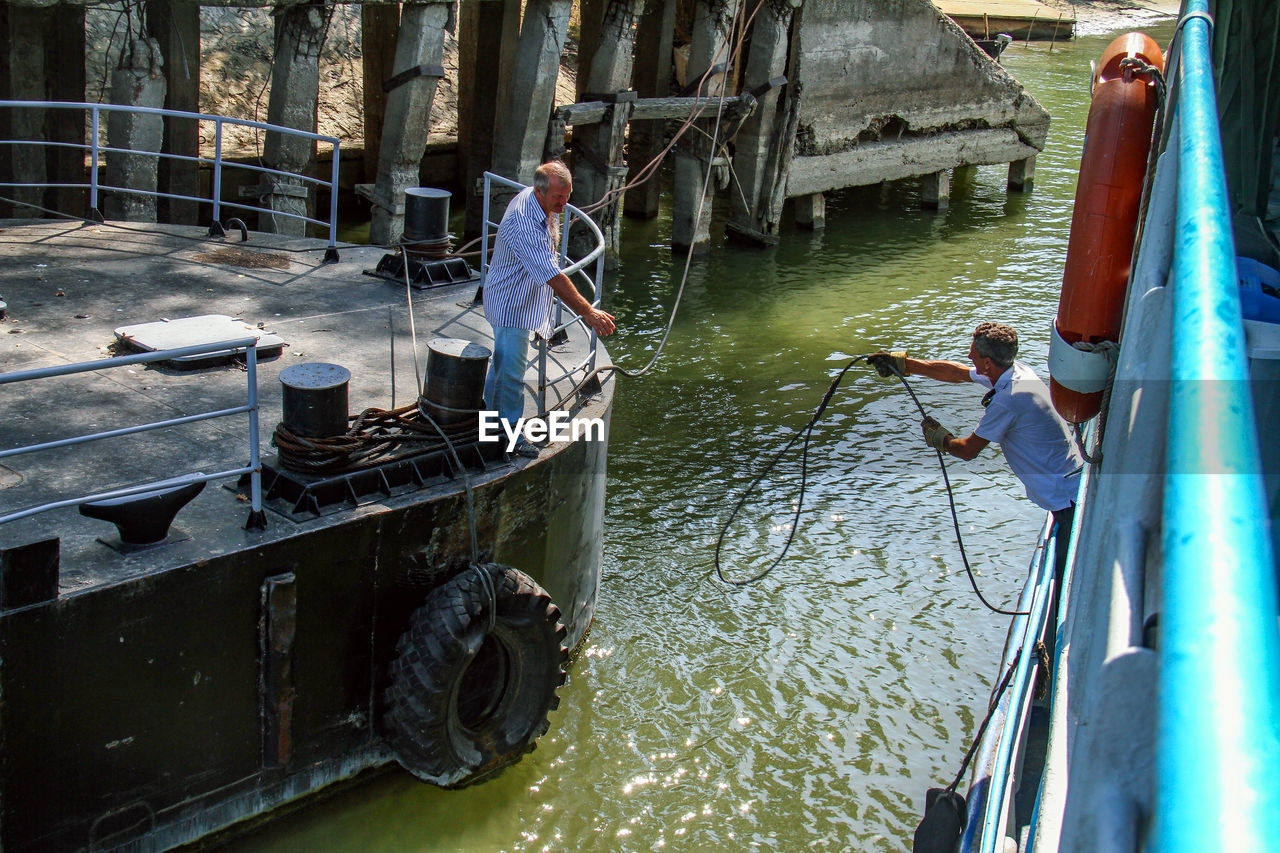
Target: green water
(813, 709)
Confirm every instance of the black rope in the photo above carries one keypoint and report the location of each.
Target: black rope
(951, 502)
(806, 432)
(982, 729)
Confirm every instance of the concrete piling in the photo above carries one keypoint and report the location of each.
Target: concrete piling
(300, 32)
(419, 54)
(761, 142)
(139, 82)
(175, 26)
(1022, 174)
(811, 212)
(529, 94)
(935, 190)
(691, 207)
(598, 169)
(651, 78)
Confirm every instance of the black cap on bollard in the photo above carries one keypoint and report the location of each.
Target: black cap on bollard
(314, 401)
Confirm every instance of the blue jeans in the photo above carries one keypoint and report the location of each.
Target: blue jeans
(504, 387)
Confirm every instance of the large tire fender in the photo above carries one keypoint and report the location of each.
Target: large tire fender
(466, 699)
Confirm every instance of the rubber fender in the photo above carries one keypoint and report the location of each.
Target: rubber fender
(466, 699)
(1108, 196)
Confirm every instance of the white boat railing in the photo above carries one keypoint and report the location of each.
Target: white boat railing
(94, 151)
(250, 407)
(560, 325)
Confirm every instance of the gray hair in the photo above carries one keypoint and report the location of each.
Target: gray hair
(543, 174)
(997, 342)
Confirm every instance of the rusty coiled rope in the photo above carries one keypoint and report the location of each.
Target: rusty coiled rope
(373, 437)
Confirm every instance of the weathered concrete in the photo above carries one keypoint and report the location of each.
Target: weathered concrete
(488, 30)
(763, 143)
(651, 77)
(598, 169)
(935, 190)
(529, 94)
(1022, 174)
(139, 82)
(378, 26)
(295, 82)
(896, 90)
(175, 25)
(811, 212)
(691, 206)
(404, 130)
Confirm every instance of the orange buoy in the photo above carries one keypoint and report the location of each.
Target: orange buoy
(1103, 224)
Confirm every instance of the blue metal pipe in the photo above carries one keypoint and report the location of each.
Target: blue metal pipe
(1218, 749)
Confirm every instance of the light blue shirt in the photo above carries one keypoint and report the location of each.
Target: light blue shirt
(1034, 439)
(516, 293)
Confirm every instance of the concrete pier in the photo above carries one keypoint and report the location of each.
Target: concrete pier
(295, 81)
(419, 54)
(692, 195)
(598, 168)
(139, 82)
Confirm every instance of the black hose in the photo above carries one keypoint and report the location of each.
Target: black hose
(806, 432)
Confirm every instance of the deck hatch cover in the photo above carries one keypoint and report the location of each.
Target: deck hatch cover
(193, 331)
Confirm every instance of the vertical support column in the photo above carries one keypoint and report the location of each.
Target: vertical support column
(379, 23)
(598, 170)
(25, 51)
(591, 16)
(488, 32)
(66, 83)
(420, 46)
(935, 190)
(138, 82)
(175, 25)
(757, 159)
(710, 34)
(811, 212)
(1022, 175)
(529, 96)
(278, 629)
(651, 78)
(300, 32)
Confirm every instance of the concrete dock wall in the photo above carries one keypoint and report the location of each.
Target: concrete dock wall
(893, 89)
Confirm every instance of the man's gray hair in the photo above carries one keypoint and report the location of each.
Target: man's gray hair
(997, 342)
(543, 174)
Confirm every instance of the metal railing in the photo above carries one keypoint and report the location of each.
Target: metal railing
(1218, 749)
(994, 777)
(253, 469)
(559, 324)
(94, 149)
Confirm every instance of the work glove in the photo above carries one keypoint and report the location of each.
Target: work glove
(935, 434)
(889, 363)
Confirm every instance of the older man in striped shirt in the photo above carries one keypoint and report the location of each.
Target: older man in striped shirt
(523, 276)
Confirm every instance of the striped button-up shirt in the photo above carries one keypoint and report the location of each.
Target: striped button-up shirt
(516, 292)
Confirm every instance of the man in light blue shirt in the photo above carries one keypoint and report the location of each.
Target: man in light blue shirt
(522, 278)
(1019, 417)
